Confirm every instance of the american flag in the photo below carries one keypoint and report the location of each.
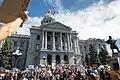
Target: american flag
(53, 10)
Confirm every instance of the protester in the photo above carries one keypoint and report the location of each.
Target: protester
(58, 73)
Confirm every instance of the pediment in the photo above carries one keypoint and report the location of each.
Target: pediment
(57, 25)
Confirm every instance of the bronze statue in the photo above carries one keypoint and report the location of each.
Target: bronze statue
(112, 44)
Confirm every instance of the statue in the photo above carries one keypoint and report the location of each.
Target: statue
(113, 45)
(14, 13)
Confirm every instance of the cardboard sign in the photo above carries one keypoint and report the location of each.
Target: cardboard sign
(30, 66)
(10, 9)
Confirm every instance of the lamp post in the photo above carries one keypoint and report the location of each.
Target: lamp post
(16, 54)
(44, 58)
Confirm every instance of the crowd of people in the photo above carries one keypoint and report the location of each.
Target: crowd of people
(58, 73)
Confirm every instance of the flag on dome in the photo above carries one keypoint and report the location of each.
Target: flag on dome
(53, 10)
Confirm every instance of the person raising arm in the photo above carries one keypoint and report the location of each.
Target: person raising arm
(11, 27)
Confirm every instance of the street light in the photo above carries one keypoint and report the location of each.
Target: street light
(44, 58)
(16, 54)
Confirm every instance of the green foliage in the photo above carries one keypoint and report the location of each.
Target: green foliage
(103, 55)
(87, 60)
(93, 55)
(6, 55)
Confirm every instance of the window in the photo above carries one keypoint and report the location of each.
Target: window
(90, 46)
(62, 39)
(46, 21)
(15, 43)
(48, 38)
(22, 44)
(37, 47)
(50, 21)
(85, 47)
(38, 37)
(58, 59)
(48, 47)
(57, 48)
(66, 60)
(55, 38)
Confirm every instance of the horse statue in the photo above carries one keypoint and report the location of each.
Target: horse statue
(113, 44)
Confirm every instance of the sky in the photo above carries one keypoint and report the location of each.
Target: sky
(90, 18)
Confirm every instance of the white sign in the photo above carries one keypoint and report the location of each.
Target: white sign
(118, 59)
(30, 66)
(53, 65)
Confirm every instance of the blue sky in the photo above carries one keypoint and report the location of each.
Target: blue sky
(40, 7)
(90, 18)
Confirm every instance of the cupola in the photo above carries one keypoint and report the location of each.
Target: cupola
(48, 18)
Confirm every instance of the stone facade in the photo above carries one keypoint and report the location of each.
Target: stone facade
(84, 46)
(53, 43)
(21, 42)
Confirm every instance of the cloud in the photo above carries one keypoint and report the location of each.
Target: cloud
(32, 21)
(97, 21)
(54, 3)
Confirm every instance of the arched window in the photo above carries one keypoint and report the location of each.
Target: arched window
(49, 21)
(36, 60)
(66, 61)
(49, 60)
(46, 21)
(57, 59)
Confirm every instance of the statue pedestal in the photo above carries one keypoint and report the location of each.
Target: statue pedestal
(114, 61)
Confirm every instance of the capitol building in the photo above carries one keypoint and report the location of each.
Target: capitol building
(50, 43)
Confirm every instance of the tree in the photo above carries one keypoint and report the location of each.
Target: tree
(103, 55)
(93, 55)
(87, 60)
(6, 54)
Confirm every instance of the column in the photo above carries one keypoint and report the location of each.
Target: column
(68, 42)
(53, 61)
(42, 39)
(33, 45)
(75, 46)
(71, 43)
(45, 39)
(61, 44)
(78, 49)
(53, 40)
(65, 43)
(62, 58)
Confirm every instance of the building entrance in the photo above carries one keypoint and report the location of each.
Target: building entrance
(66, 61)
(57, 59)
(49, 60)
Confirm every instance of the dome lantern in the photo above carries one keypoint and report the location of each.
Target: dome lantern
(48, 18)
